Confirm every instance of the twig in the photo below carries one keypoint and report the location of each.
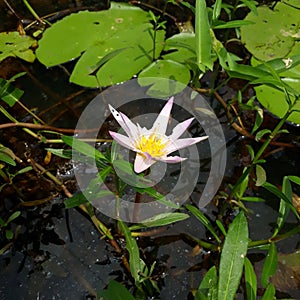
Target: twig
(238, 128)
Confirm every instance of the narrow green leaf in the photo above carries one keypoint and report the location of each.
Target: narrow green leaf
(7, 155)
(201, 217)
(115, 291)
(261, 176)
(232, 257)
(208, 286)
(24, 170)
(284, 207)
(64, 153)
(269, 293)
(133, 250)
(294, 179)
(160, 220)
(75, 200)
(253, 199)
(216, 11)
(13, 216)
(203, 37)
(261, 133)
(251, 281)
(8, 234)
(270, 265)
(83, 148)
(221, 227)
(104, 60)
(243, 185)
(274, 190)
(232, 24)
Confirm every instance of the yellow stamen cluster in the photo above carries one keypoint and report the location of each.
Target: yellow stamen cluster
(151, 144)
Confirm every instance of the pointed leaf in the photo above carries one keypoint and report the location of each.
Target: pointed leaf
(208, 287)
(232, 257)
(202, 218)
(203, 37)
(270, 265)
(251, 281)
(160, 220)
(133, 250)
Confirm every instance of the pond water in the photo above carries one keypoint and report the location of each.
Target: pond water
(58, 254)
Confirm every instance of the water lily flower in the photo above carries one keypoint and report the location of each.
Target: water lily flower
(152, 145)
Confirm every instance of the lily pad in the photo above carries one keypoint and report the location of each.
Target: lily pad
(90, 36)
(135, 56)
(274, 32)
(274, 100)
(16, 45)
(165, 77)
(182, 47)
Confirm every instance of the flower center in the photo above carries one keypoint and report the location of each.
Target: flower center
(151, 144)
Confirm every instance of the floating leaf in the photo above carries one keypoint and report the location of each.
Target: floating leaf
(16, 45)
(274, 100)
(90, 36)
(232, 257)
(181, 47)
(166, 78)
(276, 30)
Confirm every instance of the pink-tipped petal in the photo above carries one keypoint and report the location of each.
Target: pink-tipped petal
(161, 123)
(180, 128)
(172, 159)
(122, 140)
(131, 127)
(183, 143)
(142, 163)
(124, 122)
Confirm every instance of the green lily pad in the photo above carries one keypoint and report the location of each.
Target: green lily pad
(274, 32)
(274, 100)
(182, 47)
(90, 36)
(137, 50)
(16, 45)
(165, 77)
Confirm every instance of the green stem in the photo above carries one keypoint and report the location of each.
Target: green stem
(261, 151)
(32, 11)
(11, 118)
(277, 238)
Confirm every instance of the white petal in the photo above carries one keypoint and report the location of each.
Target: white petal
(161, 123)
(180, 128)
(182, 143)
(172, 159)
(122, 140)
(124, 122)
(142, 163)
(132, 128)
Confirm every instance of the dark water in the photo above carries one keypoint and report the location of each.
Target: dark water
(50, 261)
